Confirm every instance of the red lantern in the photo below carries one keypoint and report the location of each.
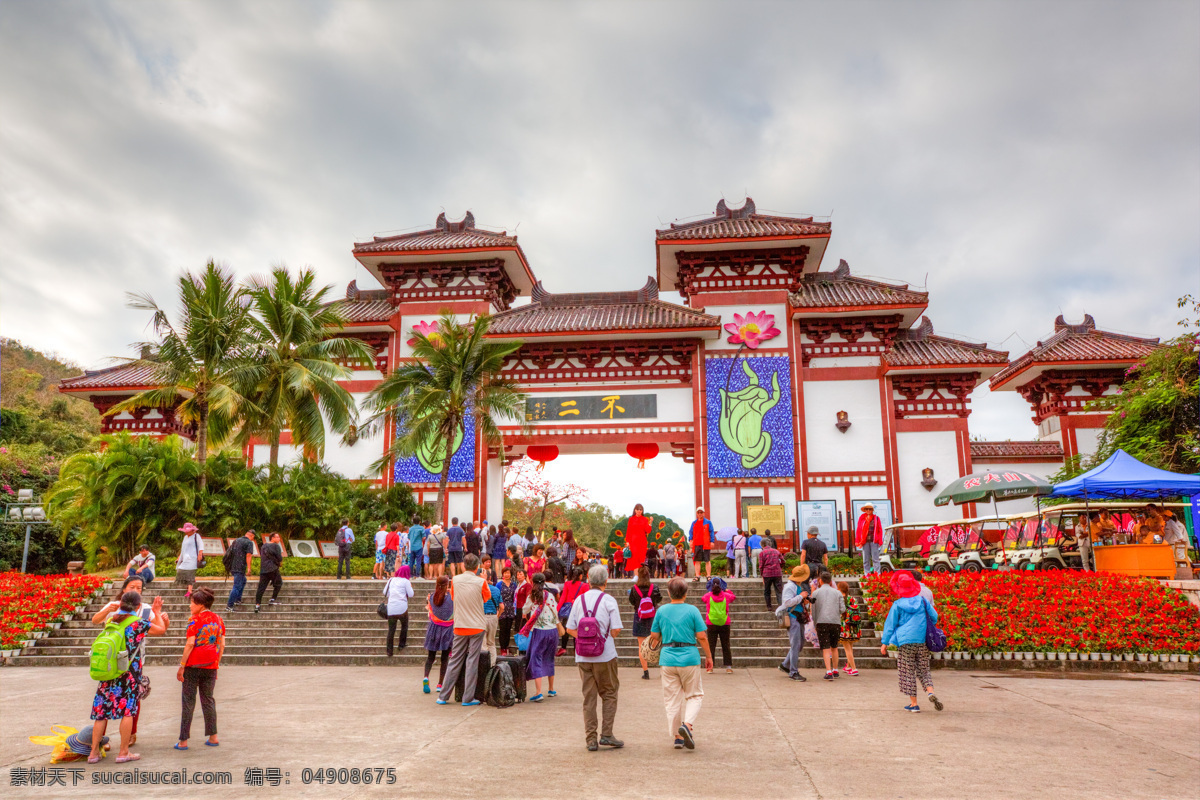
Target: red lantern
(542, 453)
(642, 451)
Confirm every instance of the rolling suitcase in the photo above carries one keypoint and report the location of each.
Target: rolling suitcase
(517, 664)
(485, 665)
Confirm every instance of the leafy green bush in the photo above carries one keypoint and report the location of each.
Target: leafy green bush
(291, 567)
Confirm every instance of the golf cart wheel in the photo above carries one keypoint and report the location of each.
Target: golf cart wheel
(941, 568)
(1049, 566)
(972, 566)
(1020, 566)
(885, 568)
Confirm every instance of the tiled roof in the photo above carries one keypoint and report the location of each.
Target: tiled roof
(1046, 449)
(120, 375)
(446, 236)
(918, 347)
(1080, 342)
(743, 223)
(598, 311)
(839, 289)
(366, 305)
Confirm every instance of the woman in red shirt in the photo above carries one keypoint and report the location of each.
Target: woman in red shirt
(198, 667)
(637, 532)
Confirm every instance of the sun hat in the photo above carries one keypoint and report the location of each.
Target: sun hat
(188, 528)
(800, 573)
(865, 506)
(904, 585)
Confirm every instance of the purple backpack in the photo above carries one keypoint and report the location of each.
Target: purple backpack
(589, 638)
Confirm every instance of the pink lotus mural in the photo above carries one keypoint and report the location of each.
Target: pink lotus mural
(752, 329)
(428, 329)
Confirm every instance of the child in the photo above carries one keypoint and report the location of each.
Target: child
(851, 627)
(828, 606)
(716, 614)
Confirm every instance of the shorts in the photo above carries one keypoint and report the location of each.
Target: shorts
(378, 556)
(828, 635)
(436, 556)
(185, 577)
(454, 556)
(700, 555)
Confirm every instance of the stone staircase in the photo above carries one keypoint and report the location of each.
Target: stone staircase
(333, 623)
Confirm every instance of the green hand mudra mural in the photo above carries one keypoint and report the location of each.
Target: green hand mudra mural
(431, 454)
(742, 415)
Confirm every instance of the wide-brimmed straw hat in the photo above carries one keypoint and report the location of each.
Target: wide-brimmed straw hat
(188, 528)
(801, 573)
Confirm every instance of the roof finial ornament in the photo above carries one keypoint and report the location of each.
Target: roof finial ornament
(724, 211)
(1088, 324)
(649, 291)
(539, 293)
(843, 270)
(466, 223)
(924, 330)
(352, 290)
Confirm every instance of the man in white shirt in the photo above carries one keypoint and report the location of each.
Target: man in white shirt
(598, 673)
(380, 537)
(188, 560)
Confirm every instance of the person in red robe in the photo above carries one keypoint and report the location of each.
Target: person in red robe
(637, 533)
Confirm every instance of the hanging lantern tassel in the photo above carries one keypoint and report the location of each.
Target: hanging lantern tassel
(643, 452)
(542, 453)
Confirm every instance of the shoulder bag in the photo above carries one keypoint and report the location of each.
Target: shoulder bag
(382, 608)
(935, 637)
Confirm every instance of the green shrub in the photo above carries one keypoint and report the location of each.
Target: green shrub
(291, 567)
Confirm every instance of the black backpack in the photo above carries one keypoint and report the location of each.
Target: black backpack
(227, 560)
(500, 690)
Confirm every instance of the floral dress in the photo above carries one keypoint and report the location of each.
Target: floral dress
(852, 620)
(118, 698)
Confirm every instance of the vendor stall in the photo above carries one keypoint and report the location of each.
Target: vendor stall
(1151, 550)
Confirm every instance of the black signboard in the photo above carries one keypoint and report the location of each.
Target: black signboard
(610, 406)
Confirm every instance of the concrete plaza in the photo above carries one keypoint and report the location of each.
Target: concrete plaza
(759, 736)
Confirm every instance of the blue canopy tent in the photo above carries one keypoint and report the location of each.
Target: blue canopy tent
(1123, 477)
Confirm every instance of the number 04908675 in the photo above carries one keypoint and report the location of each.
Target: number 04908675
(366, 775)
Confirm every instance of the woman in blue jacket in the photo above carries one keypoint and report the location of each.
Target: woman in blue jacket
(905, 628)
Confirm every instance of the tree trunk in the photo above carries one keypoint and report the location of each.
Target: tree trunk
(443, 492)
(202, 447)
(274, 450)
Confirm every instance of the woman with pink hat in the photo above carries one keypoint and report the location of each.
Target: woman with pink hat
(905, 628)
(190, 558)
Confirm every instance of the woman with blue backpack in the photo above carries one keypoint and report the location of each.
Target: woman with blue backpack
(909, 621)
(644, 597)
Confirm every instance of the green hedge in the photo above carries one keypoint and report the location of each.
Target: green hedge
(302, 567)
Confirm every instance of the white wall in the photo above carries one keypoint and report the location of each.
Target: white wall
(937, 450)
(353, 461)
(288, 454)
(494, 505)
(858, 449)
(785, 496)
(724, 511)
(460, 504)
(1087, 440)
(1022, 504)
(726, 314)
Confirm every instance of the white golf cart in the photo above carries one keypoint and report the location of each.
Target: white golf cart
(895, 557)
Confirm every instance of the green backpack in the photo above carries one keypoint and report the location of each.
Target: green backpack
(718, 612)
(110, 657)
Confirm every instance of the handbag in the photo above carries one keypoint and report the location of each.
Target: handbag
(649, 652)
(522, 643)
(382, 609)
(935, 637)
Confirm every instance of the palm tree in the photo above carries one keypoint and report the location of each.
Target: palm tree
(203, 362)
(456, 382)
(300, 370)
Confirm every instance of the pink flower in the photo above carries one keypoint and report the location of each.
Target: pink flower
(752, 329)
(8, 489)
(428, 329)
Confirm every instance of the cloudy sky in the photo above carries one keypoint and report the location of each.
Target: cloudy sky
(1019, 159)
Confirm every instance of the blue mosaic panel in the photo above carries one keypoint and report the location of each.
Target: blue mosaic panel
(462, 463)
(751, 436)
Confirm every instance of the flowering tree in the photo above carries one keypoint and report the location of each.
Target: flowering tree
(536, 497)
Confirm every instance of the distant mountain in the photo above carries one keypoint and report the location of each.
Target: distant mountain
(31, 409)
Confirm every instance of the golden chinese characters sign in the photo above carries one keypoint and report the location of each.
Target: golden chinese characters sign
(610, 406)
(767, 518)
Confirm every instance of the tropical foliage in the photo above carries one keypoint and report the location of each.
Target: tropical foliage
(138, 489)
(1062, 611)
(455, 381)
(204, 363)
(296, 386)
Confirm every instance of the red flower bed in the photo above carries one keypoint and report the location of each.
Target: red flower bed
(29, 603)
(1065, 611)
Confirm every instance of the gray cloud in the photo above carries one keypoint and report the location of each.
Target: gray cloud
(1022, 159)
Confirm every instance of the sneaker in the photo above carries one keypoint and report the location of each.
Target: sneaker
(257, 608)
(830, 676)
(562, 651)
(709, 671)
(796, 676)
(440, 702)
(851, 671)
(425, 685)
(591, 746)
(835, 673)
(274, 602)
(913, 709)
(784, 669)
(645, 674)
(611, 741)
(729, 670)
(686, 733)
(933, 699)
(472, 703)
(537, 698)
(678, 743)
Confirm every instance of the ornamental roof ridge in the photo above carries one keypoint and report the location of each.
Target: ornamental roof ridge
(445, 235)
(1047, 448)
(743, 223)
(920, 346)
(130, 373)
(1080, 342)
(648, 293)
(841, 288)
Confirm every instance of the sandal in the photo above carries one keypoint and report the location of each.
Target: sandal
(177, 747)
(94, 759)
(128, 758)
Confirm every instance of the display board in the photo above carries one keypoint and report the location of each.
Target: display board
(302, 548)
(214, 546)
(822, 514)
(768, 518)
(328, 549)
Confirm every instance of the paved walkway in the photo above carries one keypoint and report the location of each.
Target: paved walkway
(759, 736)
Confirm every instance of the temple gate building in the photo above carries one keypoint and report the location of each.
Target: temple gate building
(777, 380)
